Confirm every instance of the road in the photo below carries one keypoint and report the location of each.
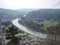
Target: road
(25, 29)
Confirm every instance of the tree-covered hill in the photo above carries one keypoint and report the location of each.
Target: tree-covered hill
(8, 14)
(40, 20)
(45, 14)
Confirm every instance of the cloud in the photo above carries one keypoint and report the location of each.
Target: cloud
(16, 4)
(57, 4)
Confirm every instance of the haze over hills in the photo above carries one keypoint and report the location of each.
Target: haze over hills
(11, 14)
(39, 20)
(24, 11)
(45, 14)
(32, 14)
(14, 12)
(7, 15)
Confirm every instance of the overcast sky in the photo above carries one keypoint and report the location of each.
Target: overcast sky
(18, 4)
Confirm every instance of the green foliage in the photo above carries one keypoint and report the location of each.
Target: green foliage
(24, 36)
(58, 24)
(15, 35)
(14, 41)
(49, 23)
(11, 31)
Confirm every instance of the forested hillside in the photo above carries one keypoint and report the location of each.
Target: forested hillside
(45, 14)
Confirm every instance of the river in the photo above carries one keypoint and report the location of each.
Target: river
(25, 29)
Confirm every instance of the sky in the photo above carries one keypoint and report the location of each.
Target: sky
(36, 4)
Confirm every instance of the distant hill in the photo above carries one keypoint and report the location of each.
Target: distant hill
(14, 12)
(8, 15)
(24, 11)
(40, 20)
(8, 12)
(44, 14)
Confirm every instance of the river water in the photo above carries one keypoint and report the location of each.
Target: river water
(25, 29)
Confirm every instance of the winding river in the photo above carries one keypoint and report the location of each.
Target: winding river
(16, 23)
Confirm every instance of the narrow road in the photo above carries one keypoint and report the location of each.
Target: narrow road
(25, 29)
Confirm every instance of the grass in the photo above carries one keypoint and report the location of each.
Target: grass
(49, 24)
